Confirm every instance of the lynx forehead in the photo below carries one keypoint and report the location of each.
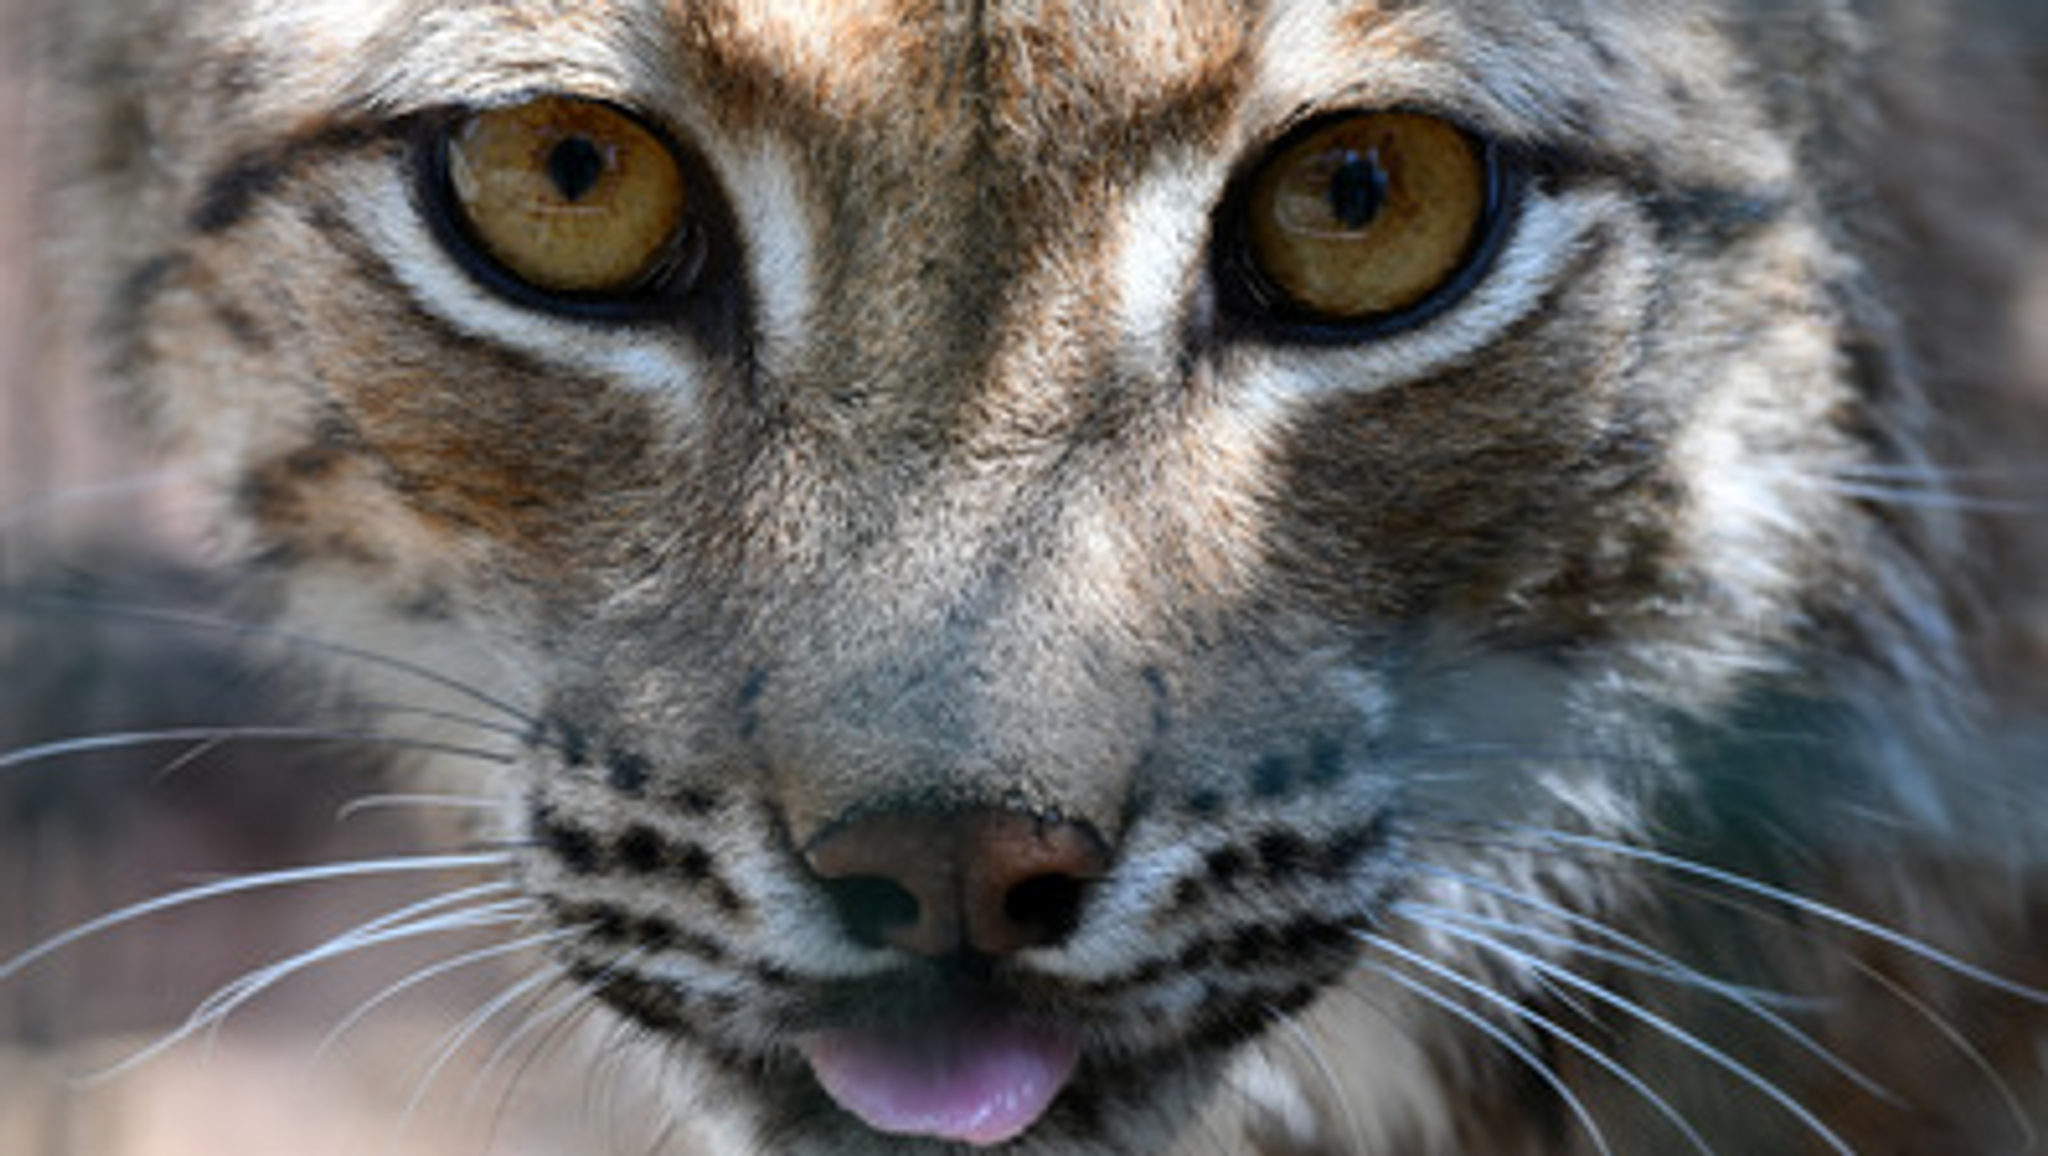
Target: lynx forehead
(1116, 577)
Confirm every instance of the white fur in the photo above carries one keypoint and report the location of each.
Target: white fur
(1273, 382)
(775, 218)
(657, 361)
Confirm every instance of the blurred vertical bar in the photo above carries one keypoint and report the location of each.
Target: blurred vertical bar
(64, 479)
(22, 459)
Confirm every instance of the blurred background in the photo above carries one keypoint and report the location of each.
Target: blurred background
(88, 531)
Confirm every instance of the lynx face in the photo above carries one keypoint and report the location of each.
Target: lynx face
(1040, 548)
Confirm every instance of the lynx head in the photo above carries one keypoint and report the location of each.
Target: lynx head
(1036, 539)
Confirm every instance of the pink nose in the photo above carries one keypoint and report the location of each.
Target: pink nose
(944, 883)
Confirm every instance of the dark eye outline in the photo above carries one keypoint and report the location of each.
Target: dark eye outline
(699, 270)
(1252, 306)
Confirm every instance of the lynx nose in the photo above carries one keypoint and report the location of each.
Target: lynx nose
(941, 884)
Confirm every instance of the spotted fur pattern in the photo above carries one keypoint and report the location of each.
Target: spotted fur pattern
(1580, 721)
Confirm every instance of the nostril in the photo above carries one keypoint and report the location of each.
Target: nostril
(944, 883)
(1047, 908)
(873, 910)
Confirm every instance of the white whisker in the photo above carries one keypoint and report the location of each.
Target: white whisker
(210, 738)
(1577, 1043)
(546, 1021)
(198, 752)
(430, 973)
(459, 1036)
(1917, 948)
(182, 620)
(1925, 498)
(370, 803)
(1935, 474)
(214, 1012)
(242, 885)
(2030, 1136)
(1628, 950)
(564, 1014)
(1716, 1056)
(541, 1022)
(1314, 1055)
(1657, 965)
(1505, 1039)
(519, 733)
(411, 922)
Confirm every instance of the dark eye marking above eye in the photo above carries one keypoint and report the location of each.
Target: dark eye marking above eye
(232, 191)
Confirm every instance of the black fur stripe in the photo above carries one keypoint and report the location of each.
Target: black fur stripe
(234, 189)
(640, 851)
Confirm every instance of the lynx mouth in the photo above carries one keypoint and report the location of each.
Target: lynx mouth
(927, 1060)
(977, 1071)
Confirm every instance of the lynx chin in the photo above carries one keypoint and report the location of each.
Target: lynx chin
(1140, 577)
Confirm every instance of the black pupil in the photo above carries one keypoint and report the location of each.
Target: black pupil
(1358, 189)
(576, 166)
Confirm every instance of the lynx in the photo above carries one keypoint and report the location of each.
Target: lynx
(1087, 577)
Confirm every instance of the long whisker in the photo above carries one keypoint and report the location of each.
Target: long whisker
(215, 1010)
(370, 803)
(428, 974)
(2030, 1136)
(458, 1037)
(1592, 1053)
(1691, 1041)
(665, 1138)
(1515, 754)
(542, 1022)
(605, 1089)
(559, 1017)
(1658, 965)
(547, 1021)
(1628, 948)
(197, 753)
(1940, 475)
(182, 620)
(1306, 1044)
(202, 750)
(1741, 884)
(1505, 1039)
(1926, 498)
(242, 885)
(426, 917)
(209, 738)
(520, 733)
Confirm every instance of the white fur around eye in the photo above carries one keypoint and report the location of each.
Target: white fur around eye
(660, 362)
(1544, 238)
(769, 200)
(1161, 237)
(1163, 253)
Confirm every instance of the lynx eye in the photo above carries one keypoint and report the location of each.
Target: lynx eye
(1369, 219)
(570, 197)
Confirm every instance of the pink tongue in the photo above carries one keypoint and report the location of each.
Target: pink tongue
(979, 1077)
